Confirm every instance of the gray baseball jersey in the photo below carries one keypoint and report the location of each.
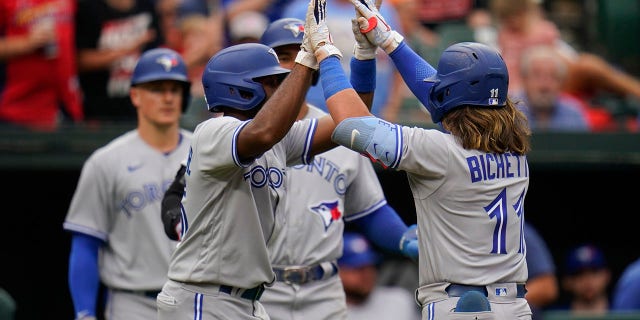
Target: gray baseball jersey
(118, 200)
(469, 207)
(234, 210)
(338, 185)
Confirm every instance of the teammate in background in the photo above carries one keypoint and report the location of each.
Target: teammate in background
(366, 299)
(388, 81)
(626, 294)
(338, 186)
(542, 283)
(586, 279)
(113, 216)
(469, 183)
(39, 80)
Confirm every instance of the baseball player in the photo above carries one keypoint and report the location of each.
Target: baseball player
(469, 180)
(236, 191)
(113, 216)
(340, 185)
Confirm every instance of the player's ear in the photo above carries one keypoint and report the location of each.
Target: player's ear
(134, 95)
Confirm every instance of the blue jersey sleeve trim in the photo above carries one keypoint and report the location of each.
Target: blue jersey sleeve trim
(234, 145)
(311, 132)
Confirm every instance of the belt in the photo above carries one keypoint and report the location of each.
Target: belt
(457, 290)
(304, 274)
(149, 294)
(249, 294)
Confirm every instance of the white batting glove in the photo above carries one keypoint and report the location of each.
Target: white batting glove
(373, 25)
(316, 29)
(363, 49)
(305, 56)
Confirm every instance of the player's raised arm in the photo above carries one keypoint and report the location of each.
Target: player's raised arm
(342, 99)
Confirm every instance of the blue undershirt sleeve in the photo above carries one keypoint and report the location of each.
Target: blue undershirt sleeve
(383, 227)
(414, 69)
(84, 279)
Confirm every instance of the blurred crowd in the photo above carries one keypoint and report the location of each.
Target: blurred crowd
(70, 61)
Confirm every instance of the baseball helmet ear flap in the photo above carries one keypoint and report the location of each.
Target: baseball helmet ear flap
(163, 64)
(469, 73)
(229, 77)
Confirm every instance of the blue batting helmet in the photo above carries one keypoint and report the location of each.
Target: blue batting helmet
(229, 77)
(162, 64)
(283, 32)
(469, 73)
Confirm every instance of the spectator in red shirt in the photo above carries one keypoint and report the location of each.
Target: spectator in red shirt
(38, 74)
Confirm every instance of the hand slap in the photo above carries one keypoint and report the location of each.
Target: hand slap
(375, 27)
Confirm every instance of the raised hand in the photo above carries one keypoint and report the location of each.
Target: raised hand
(317, 31)
(363, 49)
(374, 26)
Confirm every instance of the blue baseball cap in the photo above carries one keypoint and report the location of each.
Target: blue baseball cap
(357, 252)
(585, 257)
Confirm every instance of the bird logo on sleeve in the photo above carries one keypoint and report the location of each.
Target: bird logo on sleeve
(328, 212)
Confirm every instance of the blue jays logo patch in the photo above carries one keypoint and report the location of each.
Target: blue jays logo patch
(167, 62)
(295, 28)
(328, 212)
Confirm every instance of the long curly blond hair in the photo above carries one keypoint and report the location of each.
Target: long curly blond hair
(496, 130)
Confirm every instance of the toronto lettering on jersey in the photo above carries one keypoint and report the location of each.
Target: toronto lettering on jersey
(329, 171)
(137, 200)
(493, 166)
(260, 176)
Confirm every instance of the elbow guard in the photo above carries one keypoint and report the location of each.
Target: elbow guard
(379, 140)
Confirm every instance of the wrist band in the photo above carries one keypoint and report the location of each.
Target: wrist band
(332, 77)
(363, 75)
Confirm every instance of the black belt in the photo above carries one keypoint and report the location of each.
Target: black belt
(249, 294)
(304, 274)
(149, 294)
(457, 290)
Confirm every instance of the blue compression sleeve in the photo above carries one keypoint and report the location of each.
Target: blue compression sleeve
(363, 75)
(332, 77)
(84, 279)
(414, 69)
(383, 227)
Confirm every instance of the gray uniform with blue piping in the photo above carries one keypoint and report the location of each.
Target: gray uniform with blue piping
(233, 212)
(339, 185)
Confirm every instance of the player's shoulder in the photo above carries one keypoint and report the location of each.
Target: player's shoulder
(120, 142)
(217, 124)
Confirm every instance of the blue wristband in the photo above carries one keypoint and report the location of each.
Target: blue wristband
(332, 77)
(363, 75)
